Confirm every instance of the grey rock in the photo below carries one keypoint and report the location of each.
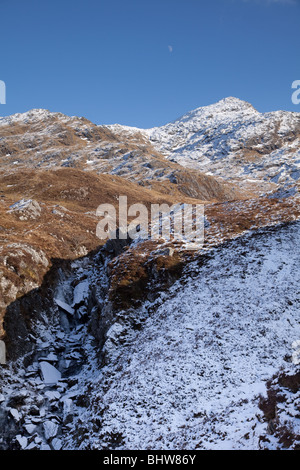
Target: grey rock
(50, 429)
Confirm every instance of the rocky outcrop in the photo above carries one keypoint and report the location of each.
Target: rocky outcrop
(26, 209)
(46, 349)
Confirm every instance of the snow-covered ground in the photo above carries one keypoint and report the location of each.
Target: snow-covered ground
(192, 378)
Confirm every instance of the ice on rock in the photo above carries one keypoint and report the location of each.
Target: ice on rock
(56, 443)
(67, 410)
(45, 447)
(32, 446)
(52, 395)
(26, 209)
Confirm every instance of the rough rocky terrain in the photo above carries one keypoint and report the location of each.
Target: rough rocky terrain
(147, 344)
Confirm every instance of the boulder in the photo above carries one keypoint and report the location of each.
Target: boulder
(165, 252)
(50, 374)
(50, 429)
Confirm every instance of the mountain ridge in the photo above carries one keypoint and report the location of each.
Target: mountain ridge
(229, 139)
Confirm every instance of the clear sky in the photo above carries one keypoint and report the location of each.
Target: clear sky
(144, 63)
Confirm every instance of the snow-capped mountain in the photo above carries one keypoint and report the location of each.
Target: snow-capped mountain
(233, 140)
(229, 140)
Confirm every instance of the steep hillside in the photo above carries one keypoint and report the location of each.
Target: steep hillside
(49, 215)
(55, 171)
(40, 139)
(209, 362)
(197, 374)
(150, 343)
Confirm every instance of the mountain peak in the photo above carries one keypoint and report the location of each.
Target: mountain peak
(230, 105)
(28, 116)
(236, 102)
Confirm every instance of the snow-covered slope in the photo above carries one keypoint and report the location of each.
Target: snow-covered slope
(194, 376)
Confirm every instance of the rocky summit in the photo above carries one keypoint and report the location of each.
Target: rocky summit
(146, 343)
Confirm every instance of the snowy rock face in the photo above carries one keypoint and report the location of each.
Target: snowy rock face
(231, 139)
(193, 375)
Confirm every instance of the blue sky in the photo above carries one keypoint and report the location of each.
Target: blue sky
(144, 63)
